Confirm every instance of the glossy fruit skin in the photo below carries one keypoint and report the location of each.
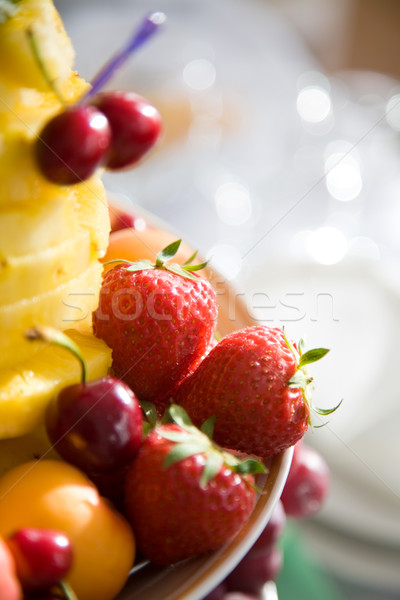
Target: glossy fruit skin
(244, 381)
(254, 571)
(96, 425)
(43, 557)
(135, 126)
(307, 485)
(10, 588)
(72, 145)
(166, 321)
(172, 515)
(52, 494)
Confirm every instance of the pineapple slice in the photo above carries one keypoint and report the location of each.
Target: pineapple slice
(37, 273)
(68, 305)
(19, 67)
(31, 446)
(26, 388)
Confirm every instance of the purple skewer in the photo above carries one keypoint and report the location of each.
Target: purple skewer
(146, 29)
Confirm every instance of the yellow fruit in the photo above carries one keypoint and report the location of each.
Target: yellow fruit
(68, 305)
(92, 212)
(26, 388)
(55, 495)
(131, 244)
(19, 67)
(37, 273)
(31, 446)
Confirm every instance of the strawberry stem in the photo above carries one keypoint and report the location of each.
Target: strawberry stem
(146, 29)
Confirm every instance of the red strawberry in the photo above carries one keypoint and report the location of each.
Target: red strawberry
(255, 383)
(183, 495)
(159, 319)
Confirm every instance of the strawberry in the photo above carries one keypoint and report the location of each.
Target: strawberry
(184, 496)
(254, 381)
(159, 320)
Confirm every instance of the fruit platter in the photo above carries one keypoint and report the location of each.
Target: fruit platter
(147, 424)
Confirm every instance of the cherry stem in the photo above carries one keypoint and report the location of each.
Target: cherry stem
(67, 591)
(44, 333)
(146, 29)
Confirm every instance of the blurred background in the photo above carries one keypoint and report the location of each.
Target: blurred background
(281, 161)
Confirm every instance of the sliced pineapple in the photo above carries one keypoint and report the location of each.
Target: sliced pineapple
(31, 446)
(19, 66)
(26, 388)
(39, 272)
(68, 305)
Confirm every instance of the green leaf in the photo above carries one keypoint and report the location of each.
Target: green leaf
(180, 417)
(167, 253)
(213, 465)
(195, 267)
(179, 437)
(178, 270)
(190, 260)
(140, 265)
(150, 412)
(182, 451)
(326, 411)
(208, 427)
(312, 356)
(250, 465)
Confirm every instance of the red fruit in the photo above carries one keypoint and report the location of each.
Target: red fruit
(10, 588)
(254, 571)
(183, 496)
(159, 321)
(73, 145)
(43, 557)
(307, 485)
(135, 126)
(253, 381)
(96, 425)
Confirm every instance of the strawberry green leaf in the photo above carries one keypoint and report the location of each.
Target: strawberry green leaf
(208, 427)
(213, 465)
(150, 412)
(180, 417)
(195, 267)
(326, 411)
(299, 380)
(167, 253)
(178, 270)
(250, 465)
(140, 265)
(182, 451)
(190, 259)
(312, 356)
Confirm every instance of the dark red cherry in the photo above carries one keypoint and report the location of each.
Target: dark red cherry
(43, 557)
(73, 144)
(135, 126)
(307, 485)
(96, 425)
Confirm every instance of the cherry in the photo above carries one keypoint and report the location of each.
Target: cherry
(251, 574)
(43, 557)
(73, 144)
(135, 126)
(96, 426)
(307, 484)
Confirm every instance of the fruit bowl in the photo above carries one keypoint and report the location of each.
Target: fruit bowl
(194, 578)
